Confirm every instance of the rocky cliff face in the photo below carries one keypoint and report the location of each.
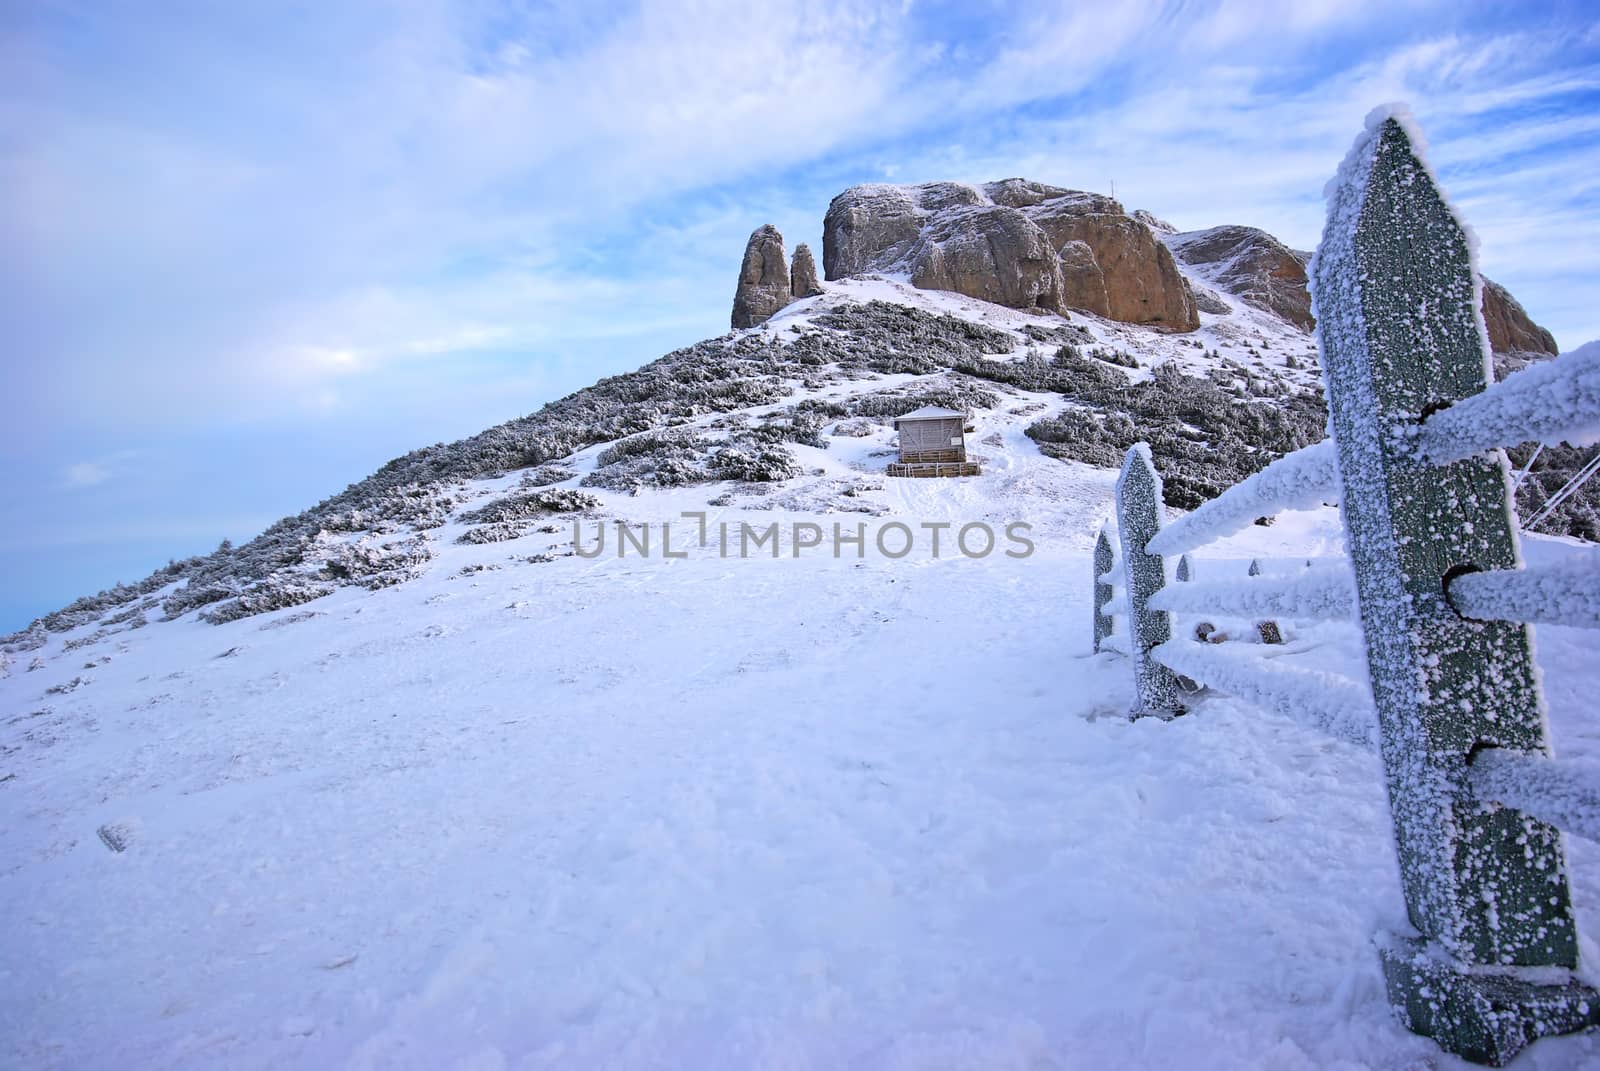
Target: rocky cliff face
(1017, 243)
(1511, 329)
(763, 279)
(1261, 271)
(803, 273)
(1253, 266)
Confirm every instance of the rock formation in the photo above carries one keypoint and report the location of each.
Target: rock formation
(988, 252)
(803, 274)
(1154, 222)
(1015, 242)
(763, 279)
(1511, 329)
(1253, 266)
(1261, 271)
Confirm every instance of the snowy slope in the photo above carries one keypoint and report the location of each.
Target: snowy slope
(530, 809)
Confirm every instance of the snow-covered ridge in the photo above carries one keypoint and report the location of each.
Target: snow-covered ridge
(798, 411)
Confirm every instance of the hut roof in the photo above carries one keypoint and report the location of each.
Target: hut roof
(929, 412)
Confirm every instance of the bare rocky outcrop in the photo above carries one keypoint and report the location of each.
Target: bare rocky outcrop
(867, 226)
(1154, 222)
(989, 252)
(1015, 242)
(803, 280)
(763, 279)
(1253, 266)
(1511, 329)
(1261, 271)
(1116, 267)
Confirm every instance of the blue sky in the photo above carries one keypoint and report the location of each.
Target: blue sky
(257, 249)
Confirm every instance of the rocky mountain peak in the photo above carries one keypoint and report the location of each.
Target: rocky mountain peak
(1252, 265)
(1015, 242)
(763, 278)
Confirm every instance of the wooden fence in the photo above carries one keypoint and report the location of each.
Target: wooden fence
(1453, 703)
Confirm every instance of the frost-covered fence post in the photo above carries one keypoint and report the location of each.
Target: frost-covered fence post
(1144, 574)
(1267, 629)
(1401, 337)
(1102, 589)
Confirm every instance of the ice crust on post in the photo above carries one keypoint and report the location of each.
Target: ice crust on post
(1401, 335)
(1138, 521)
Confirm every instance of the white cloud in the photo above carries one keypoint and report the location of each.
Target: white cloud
(376, 192)
(86, 474)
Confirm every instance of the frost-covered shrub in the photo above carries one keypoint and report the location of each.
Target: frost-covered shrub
(803, 427)
(372, 563)
(545, 475)
(1062, 334)
(417, 506)
(1578, 515)
(84, 641)
(854, 429)
(91, 607)
(1068, 372)
(276, 592)
(1116, 357)
(498, 532)
(894, 338)
(755, 464)
(1203, 438)
(520, 507)
(953, 392)
(678, 468)
(657, 459)
(193, 595)
(649, 443)
(29, 639)
(133, 617)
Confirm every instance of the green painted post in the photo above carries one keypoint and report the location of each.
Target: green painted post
(1139, 519)
(1102, 589)
(1400, 336)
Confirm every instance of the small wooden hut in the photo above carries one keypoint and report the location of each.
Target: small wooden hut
(932, 443)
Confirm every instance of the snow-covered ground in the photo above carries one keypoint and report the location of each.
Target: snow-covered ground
(531, 809)
(704, 812)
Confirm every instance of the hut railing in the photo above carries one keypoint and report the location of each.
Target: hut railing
(1452, 699)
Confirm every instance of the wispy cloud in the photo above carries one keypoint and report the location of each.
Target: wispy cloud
(86, 474)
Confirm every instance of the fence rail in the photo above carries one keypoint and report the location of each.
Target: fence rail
(1300, 480)
(1326, 596)
(1562, 792)
(1334, 704)
(1452, 699)
(1549, 402)
(1566, 593)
